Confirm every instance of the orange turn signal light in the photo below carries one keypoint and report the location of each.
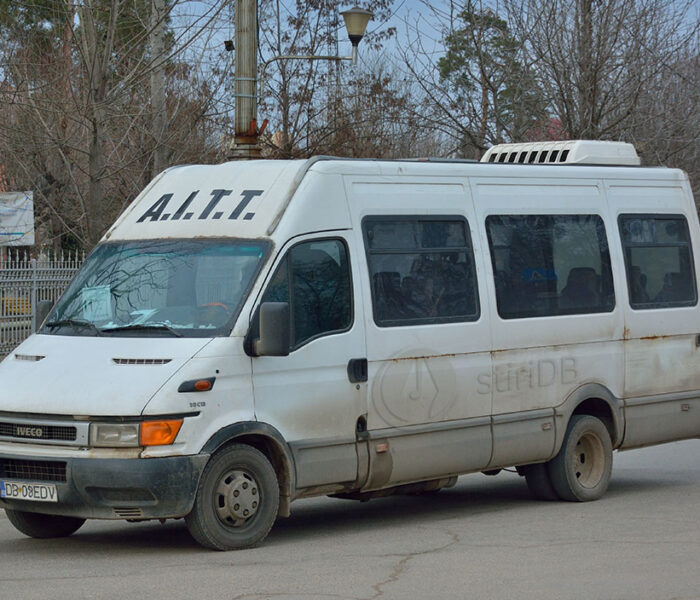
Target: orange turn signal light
(197, 385)
(159, 433)
(202, 385)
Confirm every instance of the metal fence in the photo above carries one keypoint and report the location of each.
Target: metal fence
(24, 281)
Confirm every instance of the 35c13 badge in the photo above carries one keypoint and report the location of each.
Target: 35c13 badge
(157, 211)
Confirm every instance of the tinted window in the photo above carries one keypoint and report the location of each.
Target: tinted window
(658, 260)
(314, 277)
(421, 270)
(550, 265)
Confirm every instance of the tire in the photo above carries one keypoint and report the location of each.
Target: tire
(41, 526)
(237, 500)
(539, 483)
(581, 471)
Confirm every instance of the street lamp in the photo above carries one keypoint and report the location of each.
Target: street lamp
(356, 21)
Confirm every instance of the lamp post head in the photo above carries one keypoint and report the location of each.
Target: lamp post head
(356, 20)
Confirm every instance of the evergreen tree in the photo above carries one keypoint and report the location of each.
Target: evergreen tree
(491, 86)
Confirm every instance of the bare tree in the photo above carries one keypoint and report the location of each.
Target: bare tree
(375, 115)
(667, 120)
(597, 69)
(595, 58)
(301, 97)
(97, 90)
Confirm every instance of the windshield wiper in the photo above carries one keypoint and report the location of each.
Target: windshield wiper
(75, 324)
(143, 327)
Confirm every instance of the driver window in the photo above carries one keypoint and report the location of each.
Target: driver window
(314, 277)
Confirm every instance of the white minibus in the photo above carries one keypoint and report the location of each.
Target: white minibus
(252, 333)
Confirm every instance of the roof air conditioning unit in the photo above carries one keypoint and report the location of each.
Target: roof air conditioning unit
(580, 152)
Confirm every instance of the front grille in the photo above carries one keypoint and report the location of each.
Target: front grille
(141, 361)
(24, 431)
(33, 470)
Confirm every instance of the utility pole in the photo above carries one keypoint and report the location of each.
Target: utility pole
(588, 127)
(159, 119)
(245, 142)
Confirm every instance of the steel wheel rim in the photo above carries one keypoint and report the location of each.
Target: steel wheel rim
(236, 498)
(588, 460)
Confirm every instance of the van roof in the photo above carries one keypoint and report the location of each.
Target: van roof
(246, 198)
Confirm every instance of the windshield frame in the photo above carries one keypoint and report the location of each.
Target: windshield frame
(139, 331)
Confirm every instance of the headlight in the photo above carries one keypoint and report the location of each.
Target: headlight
(114, 434)
(130, 435)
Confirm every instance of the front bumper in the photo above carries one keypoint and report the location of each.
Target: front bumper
(109, 488)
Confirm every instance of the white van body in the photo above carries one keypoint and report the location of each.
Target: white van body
(384, 399)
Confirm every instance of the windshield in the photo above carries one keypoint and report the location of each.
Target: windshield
(192, 288)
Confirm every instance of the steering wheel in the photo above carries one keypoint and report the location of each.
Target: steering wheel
(213, 313)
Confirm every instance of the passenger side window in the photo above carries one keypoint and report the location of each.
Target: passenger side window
(658, 261)
(548, 265)
(421, 270)
(314, 278)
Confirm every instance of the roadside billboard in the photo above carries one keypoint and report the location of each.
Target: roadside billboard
(16, 218)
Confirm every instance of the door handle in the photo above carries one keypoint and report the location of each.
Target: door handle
(357, 370)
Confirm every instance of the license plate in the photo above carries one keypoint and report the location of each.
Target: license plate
(22, 490)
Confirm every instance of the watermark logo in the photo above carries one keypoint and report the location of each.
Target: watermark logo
(413, 388)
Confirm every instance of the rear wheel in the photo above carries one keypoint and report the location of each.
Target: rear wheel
(581, 471)
(41, 526)
(237, 500)
(538, 482)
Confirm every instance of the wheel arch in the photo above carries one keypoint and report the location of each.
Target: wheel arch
(271, 443)
(596, 400)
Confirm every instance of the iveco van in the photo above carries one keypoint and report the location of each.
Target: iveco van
(256, 332)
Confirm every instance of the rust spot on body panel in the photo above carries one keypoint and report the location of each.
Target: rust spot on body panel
(427, 357)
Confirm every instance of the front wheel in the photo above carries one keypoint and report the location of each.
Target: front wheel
(41, 526)
(237, 500)
(581, 471)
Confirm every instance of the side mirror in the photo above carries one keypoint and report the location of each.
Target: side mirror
(43, 308)
(274, 330)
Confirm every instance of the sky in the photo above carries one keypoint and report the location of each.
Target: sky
(412, 19)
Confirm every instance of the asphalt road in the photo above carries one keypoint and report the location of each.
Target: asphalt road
(485, 538)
